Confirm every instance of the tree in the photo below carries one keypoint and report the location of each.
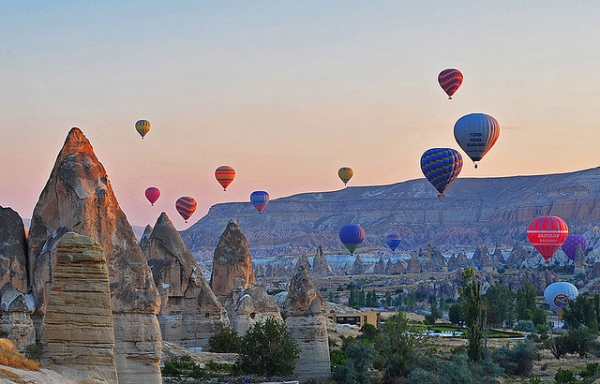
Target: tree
(455, 314)
(501, 304)
(582, 312)
(226, 341)
(268, 349)
(525, 303)
(397, 346)
(472, 304)
(411, 301)
(359, 359)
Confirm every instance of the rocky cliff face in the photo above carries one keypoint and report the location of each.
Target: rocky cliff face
(307, 323)
(233, 282)
(78, 197)
(484, 211)
(78, 324)
(190, 312)
(13, 250)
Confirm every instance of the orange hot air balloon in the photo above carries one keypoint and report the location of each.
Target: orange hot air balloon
(225, 175)
(547, 234)
(186, 206)
(345, 174)
(152, 194)
(142, 127)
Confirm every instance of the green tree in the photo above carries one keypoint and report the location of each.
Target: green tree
(397, 346)
(268, 349)
(501, 304)
(472, 303)
(359, 359)
(226, 341)
(387, 300)
(525, 301)
(582, 312)
(455, 314)
(411, 301)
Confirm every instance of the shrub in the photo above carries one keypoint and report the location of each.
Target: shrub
(564, 376)
(517, 361)
(226, 341)
(183, 366)
(9, 356)
(268, 349)
(525, 326)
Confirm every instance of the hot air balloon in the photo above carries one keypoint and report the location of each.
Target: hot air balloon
(225, 176)
(259, 199)
(186, 206)
(345, 174)
(476, 133)
(393, 241)
(441, 166)
(559, 295)
(547, 234)
(351, 236)
(572, 243)
(152, 194)
(450, 80)
(142, 126)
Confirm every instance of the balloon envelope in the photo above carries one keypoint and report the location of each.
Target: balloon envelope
(142, 127)
(572, 243)
(345, 174)
(547, 234)
(186, 206)
(441, 166)
(559, 295)
(352, 235)
(152, 194)
(476, 133)
(259, 199)
(225, 176)
(393, 241)
(450, 80)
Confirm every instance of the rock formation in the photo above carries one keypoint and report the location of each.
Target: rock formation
(358, 268)
(320, 267)
(78, 323)
(15, 305)
(232, 264)
(233, 282)
(307, 323)
(190, 312)
(304, 261)
(79, 198)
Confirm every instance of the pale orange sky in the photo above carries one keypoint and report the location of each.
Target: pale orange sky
(287, 93)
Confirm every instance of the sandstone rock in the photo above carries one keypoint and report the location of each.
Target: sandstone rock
(414, 265)
(379, 267)
(232, 264)
(13, 250)
(304, 261)
(320, 267)
(145, 237)
(358, 268)
(252, 305)
(190, 312)
(307, 323)
(79, 197)
(79, 330)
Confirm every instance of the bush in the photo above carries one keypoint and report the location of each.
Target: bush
(564, 376)
(517, 361)
(525, 326)
(9, 356)
(226, 341)
(183, 366)
(268, 349)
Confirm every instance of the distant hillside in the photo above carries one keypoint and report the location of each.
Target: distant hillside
(485, 211)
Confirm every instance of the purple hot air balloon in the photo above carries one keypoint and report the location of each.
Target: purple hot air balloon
(393, 241)
(352, 235)
(573, 242)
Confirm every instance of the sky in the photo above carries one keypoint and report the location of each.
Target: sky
(288, 92)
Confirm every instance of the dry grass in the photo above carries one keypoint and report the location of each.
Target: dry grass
(10, 357)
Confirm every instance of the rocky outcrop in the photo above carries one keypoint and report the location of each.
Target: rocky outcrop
(190, 312)
(358, 268)
(304, 262)
(78, 324)
(414, 265)
(234, 283)
(320, 267)
(307, 323)
(232, 263)
(78, 197)
(379, 267)
(16, 306)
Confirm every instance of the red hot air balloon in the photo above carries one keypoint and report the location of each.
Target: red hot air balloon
(186, 206)
(547, 234)
(450, 80)
(225, 176)
(152, 194)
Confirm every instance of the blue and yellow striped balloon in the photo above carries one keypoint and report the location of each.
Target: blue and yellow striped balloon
(142, 127)
(441, 166)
